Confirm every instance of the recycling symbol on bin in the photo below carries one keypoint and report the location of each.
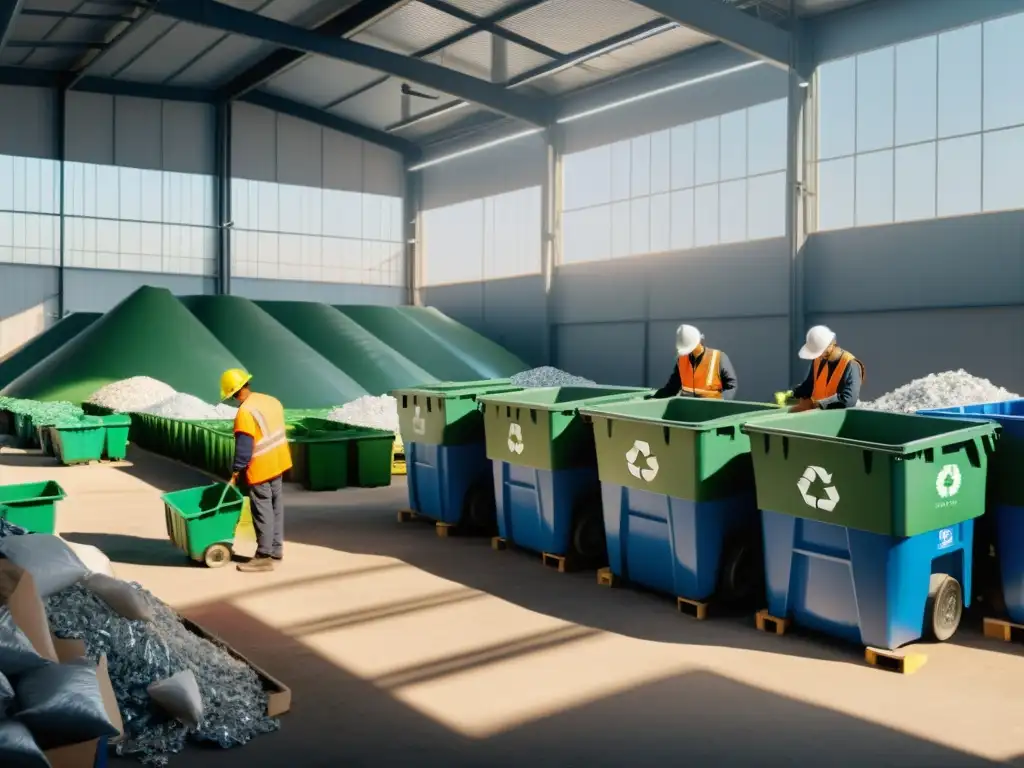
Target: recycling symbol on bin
(515, 438)
(811, 474)
(641, 448)
(419, 424)
(948, 482)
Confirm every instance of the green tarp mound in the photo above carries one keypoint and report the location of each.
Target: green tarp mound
(492, 360)
(148, 334)
(281, 363)
(45, 344)
(372, 363)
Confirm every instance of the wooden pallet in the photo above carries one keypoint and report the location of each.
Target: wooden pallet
(895, 661)
(695, 608)
(407, 516)
(606, 578)
(558, 562)
(1000, 629)
(444, 530)
(768, 623)
(499, 544)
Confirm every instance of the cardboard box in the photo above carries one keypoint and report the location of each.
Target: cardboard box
(19, 594)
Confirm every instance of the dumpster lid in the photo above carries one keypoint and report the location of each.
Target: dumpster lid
(458, 389)
(563, 399)
(909, 433)
(685, 412)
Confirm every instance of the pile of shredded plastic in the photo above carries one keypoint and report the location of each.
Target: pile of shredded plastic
(190, 408)
(369, 411)
(546, 376)
(139, 653)
(132, 395)
(940, 390)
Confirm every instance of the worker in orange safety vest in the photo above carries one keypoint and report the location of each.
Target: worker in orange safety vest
(699, 371)
(261, 451)
(834, 378)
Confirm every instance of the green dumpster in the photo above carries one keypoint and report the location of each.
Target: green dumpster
(78, 442)
(445, 413)
(32, 506)
(115, 445)
(201, 521)
(337, 455)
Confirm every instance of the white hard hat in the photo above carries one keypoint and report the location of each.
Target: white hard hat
(818, 340)
(687, 339)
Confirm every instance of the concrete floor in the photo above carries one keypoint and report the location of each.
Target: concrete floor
(402, 648)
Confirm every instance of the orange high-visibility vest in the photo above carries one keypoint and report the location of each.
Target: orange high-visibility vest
(705, 380)
(262, 417)
(826, 386)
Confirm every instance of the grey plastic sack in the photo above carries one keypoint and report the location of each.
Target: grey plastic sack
(16, 652)
(179, 696)
(61, 704)
(52, 563)
(6, 696)
(17, 747)
(122, 597)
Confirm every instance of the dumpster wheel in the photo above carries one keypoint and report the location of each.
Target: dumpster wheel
(740, 572)
(217, 555)
(945, 606)
(588, 537)
(479, 510)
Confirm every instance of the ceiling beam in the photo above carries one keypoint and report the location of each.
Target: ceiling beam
(9, 10)
(49, 78)
(731, 26)
(483, 24)
(215, 15)
(116, 34)
(313, 115)
(348, 22)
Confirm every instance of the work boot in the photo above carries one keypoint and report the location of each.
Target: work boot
(257, 564)
(277, 558)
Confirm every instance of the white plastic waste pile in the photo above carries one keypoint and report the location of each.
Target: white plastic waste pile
(369, 411)
(547, 376)
(132, 395)
(188, 407)
(940, 390)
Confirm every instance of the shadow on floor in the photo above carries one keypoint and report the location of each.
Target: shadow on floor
(136, 550)
(23, 459)
(338, 717)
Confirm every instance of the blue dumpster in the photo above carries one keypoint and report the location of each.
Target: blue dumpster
(868, 520)
(440, 477)
(1003, 530)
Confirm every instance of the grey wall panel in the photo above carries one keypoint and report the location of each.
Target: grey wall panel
(515, 316)
(462, 301)
(898, 347)
(299, 152)
(28, 303)
(326, 293)
(383, 171)
(757, 347)
(608, 353)
(138, 133)
(342, 162)
(961, 262)
(188, 136)
(97, 290)
(28, 122)
(522, 164)
(253, 142)
(90, 118)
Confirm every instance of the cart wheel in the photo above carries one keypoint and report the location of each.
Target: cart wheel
(479, 510)
(740, 572)
(945, 606)
(217, 555)
(588, 537)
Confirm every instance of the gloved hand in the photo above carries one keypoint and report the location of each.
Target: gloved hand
(234, 479)
(782, 397)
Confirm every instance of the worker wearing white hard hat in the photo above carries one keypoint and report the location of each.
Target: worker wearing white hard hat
(699, 370)
(835, 376)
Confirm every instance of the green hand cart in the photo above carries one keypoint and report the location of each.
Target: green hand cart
(201, 521)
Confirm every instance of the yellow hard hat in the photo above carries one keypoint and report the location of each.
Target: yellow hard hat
(231, 381)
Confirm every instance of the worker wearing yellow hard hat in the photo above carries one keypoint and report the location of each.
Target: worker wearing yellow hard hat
(261, 451)
(831, 382)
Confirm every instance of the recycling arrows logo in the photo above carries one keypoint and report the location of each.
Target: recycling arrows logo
(948, 481)
(811, 474)
(515, 438)
(647, 474)
(419, 424)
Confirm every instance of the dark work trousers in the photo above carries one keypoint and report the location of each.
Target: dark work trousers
(266, 502)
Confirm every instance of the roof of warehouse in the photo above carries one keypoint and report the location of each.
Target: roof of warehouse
(400, 72)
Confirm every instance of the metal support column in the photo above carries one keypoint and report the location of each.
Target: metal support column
(222, 162)
(411, 204)
(551, 230)
(797, 192)
(62, 136)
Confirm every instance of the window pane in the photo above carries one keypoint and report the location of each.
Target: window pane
(874, 189)
(838, 112)
(661, 223)
(1004, 65)
(732, 209)
(640, 159)
(875, 91)
(959, 179)
(620, 230)
(682, 156)
(586, 235)
(1004, 170)
(705, 203)
(960, 81)
(620, 170)
(835, 194)
(766, 137)
(587, 178)
(766, 206)
(916, 73)
(733, 145)
(682, 220)
(661, 161)
(707, 151)
(915, 182)
(640, 226)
